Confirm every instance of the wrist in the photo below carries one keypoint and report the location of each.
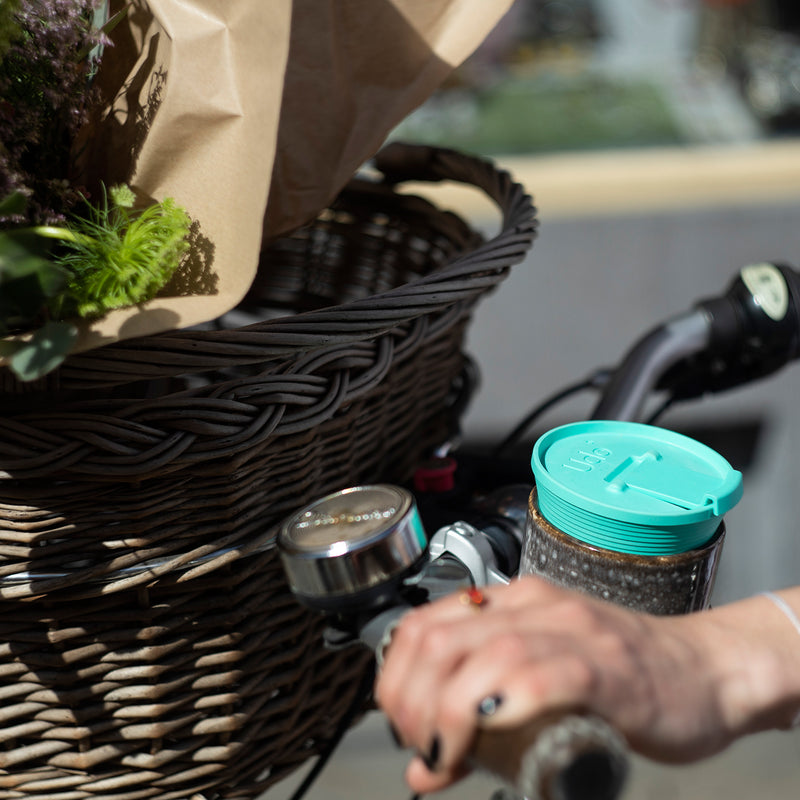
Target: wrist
(756, 652)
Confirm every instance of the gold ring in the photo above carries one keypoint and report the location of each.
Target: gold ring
(474, 598)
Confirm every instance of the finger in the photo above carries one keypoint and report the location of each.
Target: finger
(520, 594)
(411, 628)
(419, 630)
(485, 675)
(421, 779)
(563, 681)
(527, 591)
(406, 642)
(415, 674)
(431, 642)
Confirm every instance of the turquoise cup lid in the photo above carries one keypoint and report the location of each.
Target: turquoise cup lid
(632, 488)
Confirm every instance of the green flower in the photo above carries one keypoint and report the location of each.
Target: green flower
(117, 256)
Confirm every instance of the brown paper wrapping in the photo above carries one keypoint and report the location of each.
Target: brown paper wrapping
(225, 105)
(195, 87)
(356, 69)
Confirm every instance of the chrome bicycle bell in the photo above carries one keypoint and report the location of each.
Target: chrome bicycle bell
(353, 548)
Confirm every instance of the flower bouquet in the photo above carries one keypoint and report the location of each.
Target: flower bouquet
(133, 180)
(149, 147)
(64, 254)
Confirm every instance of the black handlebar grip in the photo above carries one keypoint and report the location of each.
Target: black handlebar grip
(556, 757)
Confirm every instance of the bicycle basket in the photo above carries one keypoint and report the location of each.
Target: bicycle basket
(149, 645)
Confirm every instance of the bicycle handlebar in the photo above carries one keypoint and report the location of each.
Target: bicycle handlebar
(747, 333)
(645, 364)
(557, 757)
(750, 331)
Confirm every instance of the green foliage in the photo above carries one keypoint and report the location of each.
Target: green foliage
(9, 27)
(544, 113)
(32, 358)
(119, 257)
(28, 280)
(13, 205)
(57, 266)
(113, 257)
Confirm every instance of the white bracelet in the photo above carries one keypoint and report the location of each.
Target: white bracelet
(789, 613)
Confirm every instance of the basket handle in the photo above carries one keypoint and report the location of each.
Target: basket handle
(400, 162)
(460, 281)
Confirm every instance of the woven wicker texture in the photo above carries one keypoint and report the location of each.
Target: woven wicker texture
(149, 646)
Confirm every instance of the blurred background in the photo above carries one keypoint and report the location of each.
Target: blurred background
(661, 142)
(560, 75)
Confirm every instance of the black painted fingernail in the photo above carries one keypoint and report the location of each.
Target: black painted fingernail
(431, 758)
(489, 705)
(395, 736)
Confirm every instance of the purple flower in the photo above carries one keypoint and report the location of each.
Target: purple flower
(45, 98)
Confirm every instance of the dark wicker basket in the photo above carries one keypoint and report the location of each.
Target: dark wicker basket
(149, 646)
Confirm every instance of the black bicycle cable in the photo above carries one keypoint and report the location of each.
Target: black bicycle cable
(364, 689)
(597, 380)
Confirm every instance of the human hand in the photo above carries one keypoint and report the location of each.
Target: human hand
(677, 688)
